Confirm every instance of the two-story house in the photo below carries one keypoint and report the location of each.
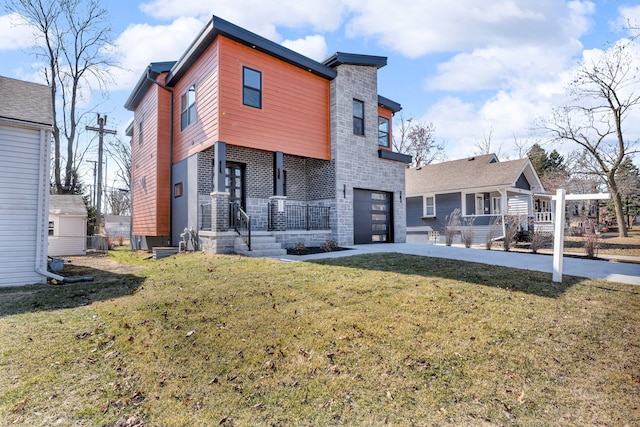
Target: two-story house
(242, 136)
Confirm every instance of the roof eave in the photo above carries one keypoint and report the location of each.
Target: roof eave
(340, 58)
(389, 104)
(217, 26)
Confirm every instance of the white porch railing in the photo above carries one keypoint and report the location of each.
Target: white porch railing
(544, 217)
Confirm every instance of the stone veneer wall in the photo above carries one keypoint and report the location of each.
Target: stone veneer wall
(356, 156)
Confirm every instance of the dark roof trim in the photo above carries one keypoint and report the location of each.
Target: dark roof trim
(340, 58)
(389, 104)
(217, 26)
(129, 131)
(153, 70)
(392, 155)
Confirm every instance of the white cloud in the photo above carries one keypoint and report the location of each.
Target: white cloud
(14, 33)
(418, 28)
(142, 44)
(314, 47)
(630, 19)
(261, 16)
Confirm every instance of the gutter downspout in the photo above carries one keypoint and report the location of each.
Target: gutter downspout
(170, 153)
(42, 206)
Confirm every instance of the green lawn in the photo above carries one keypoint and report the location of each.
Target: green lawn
(204, 340)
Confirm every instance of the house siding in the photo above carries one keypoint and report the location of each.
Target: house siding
(151, 166)
(294, 117)
(523, 183)
(20, 173)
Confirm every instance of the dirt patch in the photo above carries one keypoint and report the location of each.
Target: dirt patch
(101, 266)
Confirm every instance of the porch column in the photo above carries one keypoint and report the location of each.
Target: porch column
(219, 166)
(277, 213)
(278, 173)
(219, 211)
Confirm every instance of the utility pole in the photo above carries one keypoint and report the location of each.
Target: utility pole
(102, 121)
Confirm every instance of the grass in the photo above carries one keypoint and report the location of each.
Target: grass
(200, 339)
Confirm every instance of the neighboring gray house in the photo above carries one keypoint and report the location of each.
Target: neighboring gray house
(482, 188)
(263, 142)
(67, 225)
(26, 120)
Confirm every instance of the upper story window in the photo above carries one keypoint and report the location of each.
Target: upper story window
(188, 107)
(251, 87)
(383, 132)
(140, 132)
(358, 117)
(51, 228)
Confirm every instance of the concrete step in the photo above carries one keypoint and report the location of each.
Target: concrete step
(262, 245)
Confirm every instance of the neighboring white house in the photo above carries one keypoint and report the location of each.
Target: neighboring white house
(26, 120)
(67, 225)
(117, 226)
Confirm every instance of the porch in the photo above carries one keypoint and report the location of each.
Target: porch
(287, 222)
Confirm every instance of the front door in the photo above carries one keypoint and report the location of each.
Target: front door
(234, 183)
(372, 220)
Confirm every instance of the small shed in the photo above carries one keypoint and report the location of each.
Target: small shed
(67, 225)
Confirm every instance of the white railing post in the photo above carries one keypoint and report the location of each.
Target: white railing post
(558, 236)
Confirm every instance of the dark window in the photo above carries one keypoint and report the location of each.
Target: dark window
(251, 87)
(178, 190)
(51, 228)
(383, 131)
(140, 132)
(358, 117)
(188, 107)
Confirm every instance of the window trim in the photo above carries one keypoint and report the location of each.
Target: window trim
(495, 211)
(425, 214)
(356, 118)
(140, 129)
(188, 108)
(246, 87)
(51, 229)
(386, 134)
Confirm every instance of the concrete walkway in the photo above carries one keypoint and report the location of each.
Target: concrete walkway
(620, 272)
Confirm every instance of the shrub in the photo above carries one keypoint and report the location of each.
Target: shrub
(492, 233)
(452, 223)
(539, 240)
(467, 232)
(329, 245)
(299, 246)
(511, 225)
(591, 242)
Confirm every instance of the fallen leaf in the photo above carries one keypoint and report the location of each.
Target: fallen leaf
(521, 397)
(190, 333)
(389, 396)
(20, 406)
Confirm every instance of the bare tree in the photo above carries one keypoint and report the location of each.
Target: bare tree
(483, 146)
(119, 201)
(121, 153)
(604, 93)
(71, 37)
(418, 140)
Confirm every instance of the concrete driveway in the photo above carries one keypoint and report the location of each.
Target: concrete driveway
(621, 272)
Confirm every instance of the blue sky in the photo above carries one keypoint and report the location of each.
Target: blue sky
(475, 68)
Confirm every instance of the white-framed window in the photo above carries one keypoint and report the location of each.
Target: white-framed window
(51, 228)
(429, 206)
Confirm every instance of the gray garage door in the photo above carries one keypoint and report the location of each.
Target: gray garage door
(372, 216)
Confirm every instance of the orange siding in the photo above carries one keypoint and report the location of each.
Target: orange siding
(204, 132)
(151, 162)
(383, 112)
(294, 117)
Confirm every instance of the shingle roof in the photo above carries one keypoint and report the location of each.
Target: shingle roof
(473, 172)
(67, 204)
(25, 101)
